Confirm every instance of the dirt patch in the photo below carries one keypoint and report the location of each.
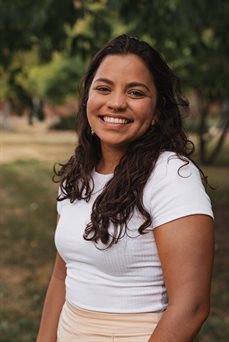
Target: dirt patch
(49, 147)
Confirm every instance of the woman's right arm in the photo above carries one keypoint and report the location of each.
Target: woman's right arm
(54, 301)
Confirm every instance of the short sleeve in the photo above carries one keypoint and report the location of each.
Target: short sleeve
(175, 190)
(59, 203)
(59, 207)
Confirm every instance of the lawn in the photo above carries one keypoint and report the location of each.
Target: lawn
(28, 217)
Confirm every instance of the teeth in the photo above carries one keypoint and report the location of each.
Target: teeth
(115, 120)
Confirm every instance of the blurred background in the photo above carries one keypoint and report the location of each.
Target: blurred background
(45, 47)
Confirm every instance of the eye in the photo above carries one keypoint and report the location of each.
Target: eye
(103, 89)
(136, 93)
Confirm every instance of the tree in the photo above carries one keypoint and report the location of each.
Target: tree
(43, 48)
(29, 27)
(42, 23)
(194, 38)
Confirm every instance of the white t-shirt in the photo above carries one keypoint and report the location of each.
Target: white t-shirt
(127, 277)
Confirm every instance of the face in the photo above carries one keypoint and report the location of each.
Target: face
(122, 100)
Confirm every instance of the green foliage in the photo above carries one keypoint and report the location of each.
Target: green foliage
(56, 80)
(45, 45)
(29, 33)
(92, 30)
(192, 35)
(66, 123)
(14, 79)
(26, 23)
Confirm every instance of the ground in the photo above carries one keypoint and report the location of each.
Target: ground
(28, 217)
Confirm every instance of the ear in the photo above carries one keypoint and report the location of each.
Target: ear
(155, 117)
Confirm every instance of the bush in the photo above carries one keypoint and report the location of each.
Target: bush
(66, 123)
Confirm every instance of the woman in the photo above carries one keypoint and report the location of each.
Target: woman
(135, 235)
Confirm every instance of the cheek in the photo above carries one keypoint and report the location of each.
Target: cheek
(93, 105)
(146, 113)
(90, 107)
(90, 104)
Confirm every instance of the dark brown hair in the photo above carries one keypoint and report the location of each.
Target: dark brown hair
(124, 191)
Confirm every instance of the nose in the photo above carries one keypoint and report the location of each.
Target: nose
(117, 102)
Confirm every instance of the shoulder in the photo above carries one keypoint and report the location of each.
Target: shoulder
(175, 189)
(169, 166)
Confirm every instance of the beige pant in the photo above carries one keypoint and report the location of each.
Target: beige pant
(81, 325)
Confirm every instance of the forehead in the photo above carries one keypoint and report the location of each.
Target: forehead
(129, 67)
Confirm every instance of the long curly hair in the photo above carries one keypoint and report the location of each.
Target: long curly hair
(124, 191)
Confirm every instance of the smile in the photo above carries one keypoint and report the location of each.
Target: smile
(115, 120)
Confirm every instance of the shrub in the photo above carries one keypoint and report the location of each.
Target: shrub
(66, 123)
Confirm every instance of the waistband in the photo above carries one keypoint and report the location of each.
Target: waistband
(108, 323)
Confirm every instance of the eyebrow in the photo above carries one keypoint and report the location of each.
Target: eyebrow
(106, 80)
(131, 84)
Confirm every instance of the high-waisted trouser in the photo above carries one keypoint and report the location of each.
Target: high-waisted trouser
(82, 325)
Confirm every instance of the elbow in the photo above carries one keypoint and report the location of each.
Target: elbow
(201, 312)
(205, 313)
(194, 312)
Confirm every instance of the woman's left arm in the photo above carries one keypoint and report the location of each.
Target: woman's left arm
(186, 248)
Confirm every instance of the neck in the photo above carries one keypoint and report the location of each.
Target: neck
(110, 159)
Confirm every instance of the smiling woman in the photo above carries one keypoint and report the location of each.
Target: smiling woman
(122, 101)
(135, 235)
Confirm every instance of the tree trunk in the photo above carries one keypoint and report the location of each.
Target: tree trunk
(203, 106)
(5, 116)
(223, 134)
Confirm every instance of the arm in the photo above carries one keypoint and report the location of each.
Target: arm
(185, 247)
(54, 301)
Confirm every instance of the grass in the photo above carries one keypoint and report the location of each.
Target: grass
(28, 217)
(217, 328)
(28, 222)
